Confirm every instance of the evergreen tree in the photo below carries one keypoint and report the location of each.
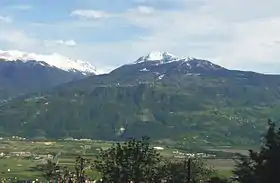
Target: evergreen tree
(262, 166)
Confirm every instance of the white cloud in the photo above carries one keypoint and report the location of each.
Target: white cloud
(87, 13)
(143, 9)
(253, 43)
(246, 40)
(94, 14)
(70, 43)
(16, 38)
(5, 19)
(235, 33)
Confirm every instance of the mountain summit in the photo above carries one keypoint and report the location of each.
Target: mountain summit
(163, 57)
(160, 63)
(22, 72)
(53, 60)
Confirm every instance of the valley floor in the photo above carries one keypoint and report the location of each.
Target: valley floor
(19, 158)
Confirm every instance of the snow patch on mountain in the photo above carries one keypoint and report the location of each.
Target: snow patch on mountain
(54, 60)
(159, 58)
(202, 64)
(162, 57)
(144, 70)
(161, 76)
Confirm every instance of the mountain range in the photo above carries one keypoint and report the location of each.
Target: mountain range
(186, 100)
(22, 72)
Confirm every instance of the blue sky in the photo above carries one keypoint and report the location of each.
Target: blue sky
(108, 33)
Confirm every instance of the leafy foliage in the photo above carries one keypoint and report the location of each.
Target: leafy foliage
(50, 170)
(189, 170)
(136, 161)
(131, 161)
(80, 167)
(218, 180)
(262, 166)
(54, 173)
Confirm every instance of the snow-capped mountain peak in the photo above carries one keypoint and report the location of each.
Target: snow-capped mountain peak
(159, 58)
(164, 62)
(54, 60)
(162, 57)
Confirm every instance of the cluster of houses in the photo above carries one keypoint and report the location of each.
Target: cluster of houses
(178, 154)
(26, 155)
(73, 139)
(13, 138)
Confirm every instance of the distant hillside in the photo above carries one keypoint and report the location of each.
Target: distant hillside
(22, 73)
(185, 100)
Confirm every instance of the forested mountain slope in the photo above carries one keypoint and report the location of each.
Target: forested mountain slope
(186, 100)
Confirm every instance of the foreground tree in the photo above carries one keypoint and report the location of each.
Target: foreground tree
(129, 161)
(80, 167)
(66, 176)
(217, 180)
(262, 166)
(54, 173)
(137, 161)
(50, 171)
(190, 170)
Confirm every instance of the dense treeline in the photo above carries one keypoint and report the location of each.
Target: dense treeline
(136, 161)
(262, 166)
(207, 110)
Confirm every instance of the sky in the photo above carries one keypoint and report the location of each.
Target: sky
(237, 34)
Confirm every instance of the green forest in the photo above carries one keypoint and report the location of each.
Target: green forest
(201, 110)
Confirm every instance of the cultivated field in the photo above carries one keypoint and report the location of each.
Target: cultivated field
(18, 158)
